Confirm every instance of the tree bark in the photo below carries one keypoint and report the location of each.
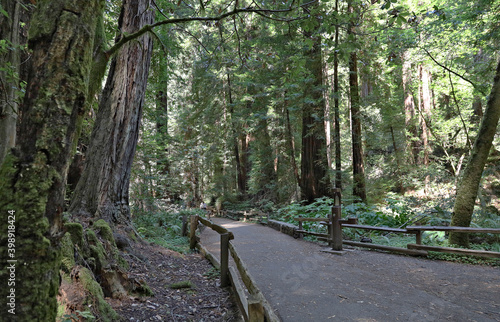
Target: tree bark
(358, 166)
(103, 190)
(313, 179)
(468, 188)
(291, 144)
(9, 82)
(162, 130)
(245, 138)
(425, 110)
(32, 179)
(263, 170)
(410, 113)
(336, 108)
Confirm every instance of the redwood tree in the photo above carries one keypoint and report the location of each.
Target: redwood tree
(103, 189)
(32, 179)
(313, 179)
(358, 166)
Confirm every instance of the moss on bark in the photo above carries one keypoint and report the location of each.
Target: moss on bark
(96, 296)
(76, 232)
(32, 181)
(104, 230)
(469, 184)
(67, 253)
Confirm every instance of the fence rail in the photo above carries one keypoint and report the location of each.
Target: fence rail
(335, 226)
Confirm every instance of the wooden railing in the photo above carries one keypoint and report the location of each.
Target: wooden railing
(412, 249)
(335, 226)
(255, 307)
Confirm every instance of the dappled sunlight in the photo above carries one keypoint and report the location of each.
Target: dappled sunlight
(236, 224)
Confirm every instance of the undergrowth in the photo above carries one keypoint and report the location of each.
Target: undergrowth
(464, 259)
(398, 212)
(163, 227)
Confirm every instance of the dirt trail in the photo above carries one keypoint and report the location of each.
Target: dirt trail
(304, 284)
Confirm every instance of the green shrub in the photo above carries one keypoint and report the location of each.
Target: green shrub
(164, 228)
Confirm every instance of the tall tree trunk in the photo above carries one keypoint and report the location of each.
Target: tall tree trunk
(103, 190)
(9, 81)
(399, 180)
(245, 139)
(410, 113)
(162, 129)
(32, 179)
(98, 70)
(291, 143)
(328, 122)
(314, 181)
(336, 108)
(358, 167)
(264, 170)
(241, 182)
(425, 111)
(468, 188)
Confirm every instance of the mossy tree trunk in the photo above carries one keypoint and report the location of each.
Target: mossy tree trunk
(103, 189)
(32, 177)
(469, 184)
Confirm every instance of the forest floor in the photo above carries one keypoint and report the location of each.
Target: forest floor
(199, 298)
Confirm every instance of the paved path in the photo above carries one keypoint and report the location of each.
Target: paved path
(304, 284)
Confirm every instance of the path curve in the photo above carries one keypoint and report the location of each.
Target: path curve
(302, 283)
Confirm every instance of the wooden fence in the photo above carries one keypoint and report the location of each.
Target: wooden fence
(335, 226)
(254, 307)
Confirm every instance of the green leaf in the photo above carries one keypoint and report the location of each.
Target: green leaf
(3, 12)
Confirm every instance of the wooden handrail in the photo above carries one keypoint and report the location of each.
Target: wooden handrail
(217, 228)
(381, 228)
(455, 229)
(299, 219)
(255, 308)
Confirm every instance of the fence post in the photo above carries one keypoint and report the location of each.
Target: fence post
(418, 237)
(336, 228)
(224, 260)
(255, 309)
(184, 226)
(301, 235)
(192, 231)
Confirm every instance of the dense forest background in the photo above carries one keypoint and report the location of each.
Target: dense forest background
(112, 111)
(381, 99)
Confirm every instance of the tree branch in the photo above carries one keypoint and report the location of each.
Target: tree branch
(454, 73)
(459, 112)
(195, 38)
(128, 37)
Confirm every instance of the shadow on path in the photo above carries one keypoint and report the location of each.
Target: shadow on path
(304, 284)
